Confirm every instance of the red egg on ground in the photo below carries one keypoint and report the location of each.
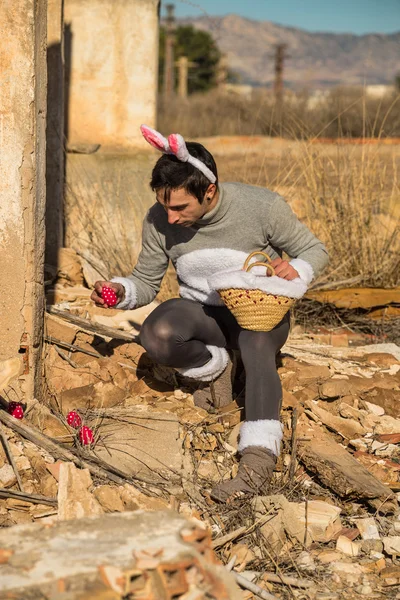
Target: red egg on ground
(73, 419)
(16, 410)
(86, 436)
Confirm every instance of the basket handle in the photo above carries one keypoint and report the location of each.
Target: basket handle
(256, 253)
(261, 264)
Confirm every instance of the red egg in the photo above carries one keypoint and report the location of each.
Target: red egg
(16, 410)
(73, 419)
(109, 296)
(86, 436)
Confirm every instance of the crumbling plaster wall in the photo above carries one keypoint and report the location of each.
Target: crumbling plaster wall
(112, 82)
(22, 184)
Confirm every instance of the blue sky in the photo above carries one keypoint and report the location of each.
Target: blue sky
(352, 16)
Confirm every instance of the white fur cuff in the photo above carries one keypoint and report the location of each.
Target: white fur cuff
(130, 300)
(267, 433)
(214, 367)
(304, 269)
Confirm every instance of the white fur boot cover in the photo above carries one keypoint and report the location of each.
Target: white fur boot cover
(214, 367)
(267, 433)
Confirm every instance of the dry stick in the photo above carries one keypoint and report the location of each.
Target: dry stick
(221, 541)
(294, 581)
(252, 587)
(95, 466)
(292, 466)
(231, 563)
(101, 330)
(56, 342)
(229, 537)
(66, 357)
(33, 498)
(10, 457)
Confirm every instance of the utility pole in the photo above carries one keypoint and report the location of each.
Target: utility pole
(169, 51)
(183, 65)
(280, 55)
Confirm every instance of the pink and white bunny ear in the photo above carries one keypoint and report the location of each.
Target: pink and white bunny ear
(178, 147)
(155, 139)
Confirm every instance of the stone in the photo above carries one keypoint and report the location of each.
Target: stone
(41, 417)
(386, 424)
(163, 553)
(59, 329)
(8, 370)
(99, 395)
(140, 441)
(323, 520)
(371, 545)
(391, 545)
(308, 374)
(336, 388)
(109, 498)
(348, 572)
(343, 544)
(364, 590)
(264, 505)
(22, 463)
(208, 469)
(328, 556)
(347, 428)
(273, 532)
(387, 399)
(368, 528)
(305, 562)
(74, 499)
(390, 573)
(7, 476)
(133, 499)
(374, 409)
(20, 517)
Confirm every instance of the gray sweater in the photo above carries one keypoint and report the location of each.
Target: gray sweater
(246, 218)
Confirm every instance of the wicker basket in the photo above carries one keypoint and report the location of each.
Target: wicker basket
(254, 309)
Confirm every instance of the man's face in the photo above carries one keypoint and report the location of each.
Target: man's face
(182, 208)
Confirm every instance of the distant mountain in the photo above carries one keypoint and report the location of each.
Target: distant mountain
(321, 59)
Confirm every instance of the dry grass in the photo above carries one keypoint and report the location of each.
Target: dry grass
(342, 113)
(349, 197)
(347, 194)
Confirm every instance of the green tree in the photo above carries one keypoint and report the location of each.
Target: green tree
(201, 49)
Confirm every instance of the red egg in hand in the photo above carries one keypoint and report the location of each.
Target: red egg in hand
(15, 409)
(73, 419)
(86, 436)
(109, 296)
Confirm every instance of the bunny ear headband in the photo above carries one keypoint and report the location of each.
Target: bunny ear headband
(175, 144)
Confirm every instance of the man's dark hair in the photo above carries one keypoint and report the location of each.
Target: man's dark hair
(172, 174)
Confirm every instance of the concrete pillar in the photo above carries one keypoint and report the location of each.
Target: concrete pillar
(112, 84)
(55, 131)
(22, 188)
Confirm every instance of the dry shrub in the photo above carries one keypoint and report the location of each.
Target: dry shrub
(343, 112)
(351, 201)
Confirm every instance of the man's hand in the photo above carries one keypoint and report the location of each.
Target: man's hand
(98, 286)
(284, 269)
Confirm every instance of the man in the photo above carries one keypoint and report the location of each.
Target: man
(205, 227)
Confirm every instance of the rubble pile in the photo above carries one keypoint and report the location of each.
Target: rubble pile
(330, 528)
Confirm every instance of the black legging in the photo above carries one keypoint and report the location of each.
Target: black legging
(176, 333)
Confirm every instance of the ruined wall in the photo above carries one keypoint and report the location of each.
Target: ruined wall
(22, 184)
(111, 66)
